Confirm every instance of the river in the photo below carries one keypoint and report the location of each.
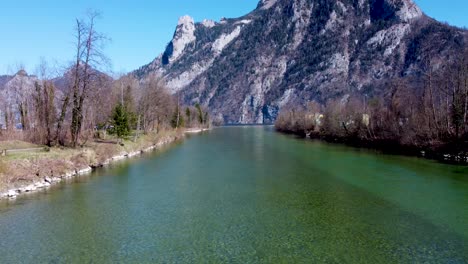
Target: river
(247, 195)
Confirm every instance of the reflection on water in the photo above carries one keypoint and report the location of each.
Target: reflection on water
(247, 194)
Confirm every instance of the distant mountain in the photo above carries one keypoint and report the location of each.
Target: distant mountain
(3, 80)
(294, 51)
(21, 86)
(64, 83)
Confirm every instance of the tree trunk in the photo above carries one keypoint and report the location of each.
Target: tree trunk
(137, 134)
(465, 114)
(60, 121)
(431, 97)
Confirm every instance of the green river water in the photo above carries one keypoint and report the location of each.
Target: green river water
(247, 195)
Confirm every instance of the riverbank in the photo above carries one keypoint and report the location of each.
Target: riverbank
(196, 130)
(361, 207)
(452, 154)
(30, 172)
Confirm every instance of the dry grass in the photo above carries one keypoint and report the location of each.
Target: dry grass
(53, 153)
(19, 169)
(3, 170)
(104, 151)
(17, 144)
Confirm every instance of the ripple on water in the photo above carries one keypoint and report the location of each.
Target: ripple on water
(246, 195)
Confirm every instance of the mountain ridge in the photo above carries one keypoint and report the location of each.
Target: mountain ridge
(290, 52)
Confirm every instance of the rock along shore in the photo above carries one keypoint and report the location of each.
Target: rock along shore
(46, 182)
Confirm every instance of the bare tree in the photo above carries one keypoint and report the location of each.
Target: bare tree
(45, 111)
(44, 105)
(89, 56)
(22, 98)
(155, 104)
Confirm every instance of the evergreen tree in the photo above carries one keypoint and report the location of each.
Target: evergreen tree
(200, 114)
(129, 105)
(177, 119)
(120, 122)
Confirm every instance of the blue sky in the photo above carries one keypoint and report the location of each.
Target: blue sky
(139, 29)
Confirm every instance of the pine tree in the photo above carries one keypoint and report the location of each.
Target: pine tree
(129, 106)
(120, 122)
(200, 114)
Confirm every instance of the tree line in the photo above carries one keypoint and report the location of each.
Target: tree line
(86, 103)
(425, 112)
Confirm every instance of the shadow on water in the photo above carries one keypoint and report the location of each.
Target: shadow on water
(247, 194)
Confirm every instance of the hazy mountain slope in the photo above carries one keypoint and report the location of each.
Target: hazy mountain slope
(12, 88)
(3, 80)
(294, 51)
(19, 85)
(21, 88)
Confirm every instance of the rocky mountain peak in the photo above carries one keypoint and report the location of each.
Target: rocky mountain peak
(185, 21)
(295, 51)
(184, 35)
(403, 10)
(408, 10)
(208, 23)
(22, 73)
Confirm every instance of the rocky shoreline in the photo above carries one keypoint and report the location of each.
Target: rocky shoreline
(46, 182)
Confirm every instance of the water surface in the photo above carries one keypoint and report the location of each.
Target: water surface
(247, 195)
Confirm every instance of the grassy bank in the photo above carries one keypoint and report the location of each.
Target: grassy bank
(20, 169)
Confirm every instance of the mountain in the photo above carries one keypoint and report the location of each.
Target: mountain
(294, 51)
(64, 83)
(20, 84)
(12, 88)
(3, 80)
(21, 88)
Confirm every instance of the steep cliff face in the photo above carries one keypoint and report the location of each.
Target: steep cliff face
(294, 51)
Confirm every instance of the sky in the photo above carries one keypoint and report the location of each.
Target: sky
(139, 29)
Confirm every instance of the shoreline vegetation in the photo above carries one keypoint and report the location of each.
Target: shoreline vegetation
(423, 116)
(56, 128)
(357, 130)
(444, 154)
(24, 173)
